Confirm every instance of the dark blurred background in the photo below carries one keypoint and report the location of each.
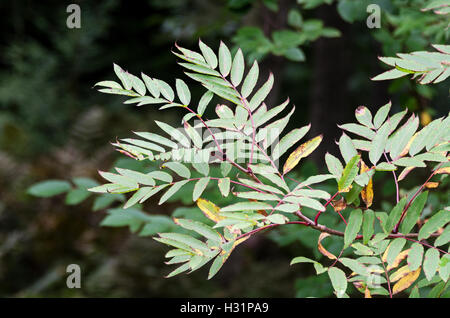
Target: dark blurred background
(54, 125)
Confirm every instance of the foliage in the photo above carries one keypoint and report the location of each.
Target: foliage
(404, 29)
(268, 200)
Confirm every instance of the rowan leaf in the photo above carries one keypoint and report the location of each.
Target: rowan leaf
(237, 68)
(334, 165)
(210, 210)
(367, 191)
(368, 225)
(199, 187)
(413, 213)
(208, 54)
(338, 280)
(320, 247)
(224, 59)
(406, 281)
(379, 142)
(250, 80)
(302, 151)
(349, 174)
(433, 224)
(353, 227)
(430, 263)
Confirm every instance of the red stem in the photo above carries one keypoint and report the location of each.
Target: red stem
(395, 230)
(316, 219)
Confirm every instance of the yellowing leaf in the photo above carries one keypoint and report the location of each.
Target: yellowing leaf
(367, 191)
(400, 273)
(209, 209)
(445, 170)
(431, 185)
(400, 257)
(406, 281)
(321, 248)
(302, 151)
(367, 293)
(425, 118)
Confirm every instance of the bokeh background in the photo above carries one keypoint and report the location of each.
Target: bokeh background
(54, 125)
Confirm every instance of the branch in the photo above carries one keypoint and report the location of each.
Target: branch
(395, 230)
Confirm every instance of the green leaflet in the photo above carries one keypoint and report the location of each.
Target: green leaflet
(255, 195)
(172, 190)
(360, 130)
(415, 256)
(288, 141)
(353, 227)
(355, 266)
(277, 219)
(368, 225)
(199, 187)
(246, 206)
(381, 115)
(165, 90)
(444, 238)
(194, 135)
(305, 201)
(394, 216)
(174, 133)
(183, 92)
(434, 223)
(209, 54)
(138, 84)
(224, 59)
(193, 243)
(224, 186)
(317, 266)
(338, 280)
(123, 76)
(263, 116)
(424, 136)
(394, 249)
(364, 116)
(151, 85)
(312, 193)
(413, 213)
(384, 166)
(109, 84)
(349, 173)
(430, 263)
(409, 162)
(379, 142)
(119, 180)
(250, 80)
(199, 69)
(144, 144)
(261, 93)
(200, 228)
(402, 137)
(217, 265)
(178, 168)
(237, 68)
(287, 207)
(314, 179)
(161, 175)
(348, 150)
(204, 101)
(352, 195)
(49, 188)
(156, 138)
(334, 165)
